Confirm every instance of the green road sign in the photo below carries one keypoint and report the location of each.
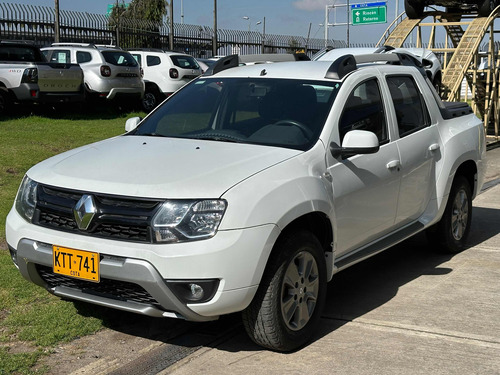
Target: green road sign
(369, 15)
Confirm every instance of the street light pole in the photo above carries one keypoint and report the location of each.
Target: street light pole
(171, 34)
(214, 44)
(56, 21)
(247, 19)
(264, 36)
(182, 12)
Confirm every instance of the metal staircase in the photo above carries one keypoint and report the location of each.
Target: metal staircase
(466, 33)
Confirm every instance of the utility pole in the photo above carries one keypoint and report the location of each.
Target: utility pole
(171, 33)
(264, 36)
(348, 20)
(215, 41)
(56, 21)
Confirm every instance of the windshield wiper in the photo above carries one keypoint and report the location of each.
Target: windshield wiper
(222, 137)
(150, 135)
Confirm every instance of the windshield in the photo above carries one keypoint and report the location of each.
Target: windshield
(276, 112)
(185, 62)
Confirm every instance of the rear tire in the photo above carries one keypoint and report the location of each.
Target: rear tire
(485, 7)
(451, 233)
(414, 8)
(152, 97)
(288, 304)
(4, 102)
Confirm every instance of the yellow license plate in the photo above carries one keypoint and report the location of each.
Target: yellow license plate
(76, 263)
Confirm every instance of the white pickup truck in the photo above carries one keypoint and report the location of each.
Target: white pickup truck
(25, 76)
(248, 189)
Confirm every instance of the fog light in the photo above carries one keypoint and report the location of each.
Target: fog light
(197, 292)
(13, 256)
(194, 291)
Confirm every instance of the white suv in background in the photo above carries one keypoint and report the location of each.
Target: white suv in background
(164, 73)
(108, 71)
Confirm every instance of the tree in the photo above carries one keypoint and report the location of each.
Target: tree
(149, 10)
(143, 17)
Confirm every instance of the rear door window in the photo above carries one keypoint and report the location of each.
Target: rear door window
(411, 111)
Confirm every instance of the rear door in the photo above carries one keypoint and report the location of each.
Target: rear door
(418, 144)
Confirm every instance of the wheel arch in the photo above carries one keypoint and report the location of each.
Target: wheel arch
(319, 224)
(149, 85)
(468, 169)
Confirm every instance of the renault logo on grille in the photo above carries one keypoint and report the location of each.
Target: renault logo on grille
(84, 211)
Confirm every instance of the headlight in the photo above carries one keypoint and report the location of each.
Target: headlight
(26, 198)
(178, 221)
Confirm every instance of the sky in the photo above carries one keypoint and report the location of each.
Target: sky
(285, 17)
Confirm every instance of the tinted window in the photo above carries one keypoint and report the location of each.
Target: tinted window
(275, 112)
(411, 111)
(364, 110)
(153, 60)
(119, 58)
(20, 53)
(83, 57)
(185, 62)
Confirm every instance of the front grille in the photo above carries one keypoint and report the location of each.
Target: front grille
(118, 218)
(113, 289)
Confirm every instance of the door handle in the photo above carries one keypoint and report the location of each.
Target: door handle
(434, 147)
(394, 164)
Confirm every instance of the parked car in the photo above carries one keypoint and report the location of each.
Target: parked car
(25, 76)
(205, 64)
(415, 8)
(164, 73)
(423, 57)
(248, 189)
(109, 72)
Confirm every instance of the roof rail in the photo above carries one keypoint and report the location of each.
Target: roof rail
(223, 63)
(341, 67)
(108, 46)
(233, 61)
(273, 57)
(70, 44)
(348, 63)
(26, 42)
(147, 50)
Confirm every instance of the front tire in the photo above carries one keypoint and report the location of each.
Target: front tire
(414, 8)
(451, 233)
(288, 304)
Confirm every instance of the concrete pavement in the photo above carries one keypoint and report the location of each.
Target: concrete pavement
(405, 311)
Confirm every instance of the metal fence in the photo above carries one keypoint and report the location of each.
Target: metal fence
(36, 23)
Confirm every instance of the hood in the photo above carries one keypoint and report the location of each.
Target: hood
(154, 167)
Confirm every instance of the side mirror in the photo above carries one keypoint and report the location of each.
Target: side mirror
(427, 64)
(356, 142)
(132, 123)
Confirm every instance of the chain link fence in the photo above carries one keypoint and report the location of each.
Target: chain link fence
(36, 23)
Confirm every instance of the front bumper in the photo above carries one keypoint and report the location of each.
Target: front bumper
(140, 271)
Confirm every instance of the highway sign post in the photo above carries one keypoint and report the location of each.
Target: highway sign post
(369, 13)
